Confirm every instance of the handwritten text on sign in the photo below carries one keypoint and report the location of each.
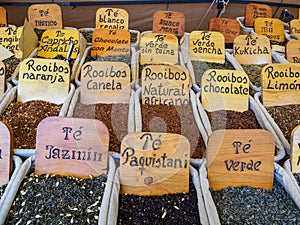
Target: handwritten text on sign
(225, 89)
(242, 157)
(57, 42)
(293, 51)
(5, 154)
(165, 85)
(10, 38)
(159, 49)
(230, 28)
(280, 84)
(272, 28)
(112, 18)
(43, 79)
(207, 46)
(295, 150)
(71, 147)
(45, 16)
(105, 82)
(154, 164)
(254, 11)
(295, 28)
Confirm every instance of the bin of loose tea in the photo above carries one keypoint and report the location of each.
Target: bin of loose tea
(46, 199)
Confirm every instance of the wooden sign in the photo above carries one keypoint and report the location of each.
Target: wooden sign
(230, 28)
(154, 164)
(168, 22)
(254, 11)
(295, 28)
(45, 16)
(5, 154)
(3, 17)
(207, 46)
(165, 85)
(71, 147)
(292, 52)
(270, 27)
(112, 18)
(2, 77)
(105, 82)
(57, 42)
(43, 79)
(252, 49)
(10, 38)
(110, 42)
(280, 84)
(295, 150)
(225, 90)
(241, 157)
(159, 49)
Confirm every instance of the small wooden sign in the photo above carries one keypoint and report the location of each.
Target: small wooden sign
(112, 18)
(110, 42)
(57, 42)
(5, 154)
(225, 89)
(43, 79)
(2, 77)
(10, 38)
(168, 22)
(45, 16)
(295, 28)
(159, 49)
(3, 17)
(154, 164)
(293, 51)
(165, 85)
(295, 150)
(270, 27)
(71, 147)
(252, 49)
(242, 157)
(207, 46)
(254, 11)
(105, 82)
(280, 84)
(230, 28)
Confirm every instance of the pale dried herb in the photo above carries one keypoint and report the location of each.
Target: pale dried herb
(254, 73)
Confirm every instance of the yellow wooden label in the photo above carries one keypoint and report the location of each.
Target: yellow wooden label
(159, 49)
(57, 42)
(242, 157)
(165, 85)
(225, 89)
(154, 164)
(254, 11)
(295, 28)
(105, 82)
(252, 49)
(207, 46)
(6, 156)
(280, 84)
(71, 147)
(293, 51)
(106, 42)
(43, 79)
(3, 17)
(10, 38)
(230, 28)
(112, 18)
(270, 27)
(295, 150)
(45, 16)
(2, 77)
(168, 22)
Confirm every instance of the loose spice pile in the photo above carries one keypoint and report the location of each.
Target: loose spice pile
(10, 66)
(246, 205)
(57, 200)
(114, 116)
(2, 189)
(174, 119)
(23, 119)
(156, 210)
(254, 73)
(110, 58)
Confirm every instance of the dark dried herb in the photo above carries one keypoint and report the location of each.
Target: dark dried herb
(2, 190)
(254, 73)
(39, 33)
(10, 65)
(157, 210)
(110, 58)
(23, 119)
(57, 200)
